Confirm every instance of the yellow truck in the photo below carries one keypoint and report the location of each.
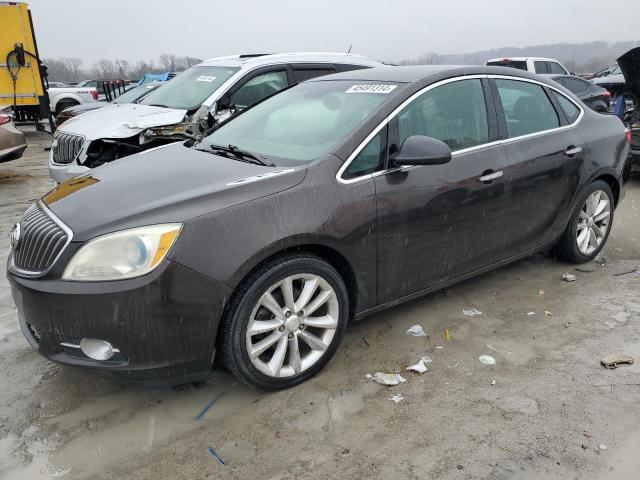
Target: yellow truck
(22, 75)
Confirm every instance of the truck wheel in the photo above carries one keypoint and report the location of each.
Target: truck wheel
(64, 104)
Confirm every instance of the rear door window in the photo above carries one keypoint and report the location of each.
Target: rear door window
(570, 109)
(527, 109)
(541, 67)
(555, 67)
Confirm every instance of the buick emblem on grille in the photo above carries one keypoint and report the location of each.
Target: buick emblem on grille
(14, 237)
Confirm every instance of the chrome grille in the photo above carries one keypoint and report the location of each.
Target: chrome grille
(41, 241)
(66, 147)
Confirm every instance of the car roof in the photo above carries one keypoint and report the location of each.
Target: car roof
(256, 60)
(523, 59)
(414, 73)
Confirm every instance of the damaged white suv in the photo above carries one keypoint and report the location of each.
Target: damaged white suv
(185, 107)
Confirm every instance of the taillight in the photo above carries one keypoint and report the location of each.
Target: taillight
(607, 94)
(627, 134)
(94, 94)
(4, 118)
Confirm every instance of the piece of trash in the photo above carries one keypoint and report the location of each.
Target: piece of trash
(416, 331)
(369, 376)
(446, 334)
(487, 359)
(388, 379)
(208, 406)
(568, 277)
(602, 446)
(215, 455)
(421, 366)
(346, 451)
(396, 398)
(439, 347)
(471, 312)
(491, 347)
(584, 446)
(548, 313)
(493, 382)
(587, 434)
(615, 359)
(541, 292)
(531, 313)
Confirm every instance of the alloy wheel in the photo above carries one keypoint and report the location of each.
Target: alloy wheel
(292, 325)
(593, 222)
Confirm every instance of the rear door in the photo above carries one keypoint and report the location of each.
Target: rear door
(438, 222)
(543, 154)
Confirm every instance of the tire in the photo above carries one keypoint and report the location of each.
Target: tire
(291, 329)
(64, 104)
(570, 248)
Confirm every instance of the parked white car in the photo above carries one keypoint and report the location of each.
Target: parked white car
(186, 107)
(539, 65)
(61, 98)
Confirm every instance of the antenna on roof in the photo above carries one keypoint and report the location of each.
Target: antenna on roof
(349, 50)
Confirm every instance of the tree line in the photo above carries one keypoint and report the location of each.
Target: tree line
(72, 69)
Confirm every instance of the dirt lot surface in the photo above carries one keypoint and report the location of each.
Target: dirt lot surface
(546, 409)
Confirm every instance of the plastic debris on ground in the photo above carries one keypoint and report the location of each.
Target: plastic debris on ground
(548, 313)
(471, 312)
(416, 331)
(493, 382)
(215, 455)
(487, 359)
(396, 398)
(421, 366)
(447, 336)
(208, 406)
(602, 446)
(568, 277)
(531, 313)
(388, 379)
(615, 359)
(439, 347)
(541, 292)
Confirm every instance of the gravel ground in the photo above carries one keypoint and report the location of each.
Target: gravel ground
(546, 409)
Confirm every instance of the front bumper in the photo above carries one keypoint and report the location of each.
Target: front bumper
(164, 323)
(61, 172)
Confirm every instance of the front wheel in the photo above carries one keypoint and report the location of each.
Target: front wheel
(590, 224)
(285, 322)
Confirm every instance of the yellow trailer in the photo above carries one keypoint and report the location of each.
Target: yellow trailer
(22, 85)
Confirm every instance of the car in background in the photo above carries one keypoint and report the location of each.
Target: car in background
(56, 84)
(602, 72)
(132, 95)
(329, 201)
(630, 68)
(595, 97)
(12, 141)
(186, 107)
(539, 65)
(613, 81)
(63, 97)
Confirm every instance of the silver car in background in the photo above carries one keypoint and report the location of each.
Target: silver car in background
(12, 141)
(186, 107)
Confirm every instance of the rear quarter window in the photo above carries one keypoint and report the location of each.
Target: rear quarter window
(568, 107)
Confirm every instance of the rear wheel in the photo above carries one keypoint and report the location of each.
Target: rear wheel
(590, 224)
(285, 322)
(61, 105)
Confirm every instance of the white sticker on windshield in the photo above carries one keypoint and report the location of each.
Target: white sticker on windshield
(205, 78)
(371, 88)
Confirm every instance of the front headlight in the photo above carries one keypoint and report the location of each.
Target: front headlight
(125, 254)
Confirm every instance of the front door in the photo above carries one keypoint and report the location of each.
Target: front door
(438, 222)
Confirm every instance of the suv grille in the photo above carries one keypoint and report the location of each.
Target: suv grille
(41, 241)
(67, 148)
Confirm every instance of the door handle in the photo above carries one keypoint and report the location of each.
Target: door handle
(490, 176)
(572, 150)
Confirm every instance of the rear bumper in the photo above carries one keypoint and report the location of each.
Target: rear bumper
(164, 324)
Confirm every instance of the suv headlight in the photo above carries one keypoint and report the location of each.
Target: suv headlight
(125, 254)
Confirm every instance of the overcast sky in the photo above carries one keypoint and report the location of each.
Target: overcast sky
(382, 29)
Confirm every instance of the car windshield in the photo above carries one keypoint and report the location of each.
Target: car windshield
(519, 64)
(134, 94)
(188, 90)
(300, 124)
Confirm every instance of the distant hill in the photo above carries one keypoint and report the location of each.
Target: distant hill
(577, 57)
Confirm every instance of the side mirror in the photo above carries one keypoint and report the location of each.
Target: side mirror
(421, 150)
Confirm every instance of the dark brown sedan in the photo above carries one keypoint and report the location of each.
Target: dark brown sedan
(333, 199)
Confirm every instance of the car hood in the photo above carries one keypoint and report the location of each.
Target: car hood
(609, 79)
(630, 66)
(168, 184)
(121, 121)
(86, 107)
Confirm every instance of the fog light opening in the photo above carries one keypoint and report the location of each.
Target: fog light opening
(100, 350)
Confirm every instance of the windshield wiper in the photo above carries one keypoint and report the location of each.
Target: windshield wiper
(241, 155)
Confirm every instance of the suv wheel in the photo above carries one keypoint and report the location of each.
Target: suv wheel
(285, 322)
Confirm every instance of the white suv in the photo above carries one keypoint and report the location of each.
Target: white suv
(539, 65)
(185, 107)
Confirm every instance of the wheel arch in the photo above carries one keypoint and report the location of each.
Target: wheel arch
(613, 183)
